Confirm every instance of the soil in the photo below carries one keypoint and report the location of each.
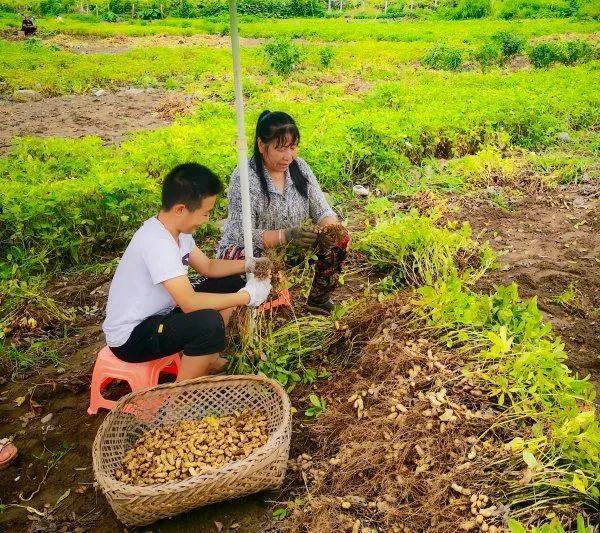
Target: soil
(120, 43)
(72, 430)
(110, 116)
(55, 455)
(551, 240)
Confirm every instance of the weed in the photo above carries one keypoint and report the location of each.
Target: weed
(283, 55)
(280, 513)
(576, 51)
(471, 9)
(376, 208)
(37, 354)
(443, 57)
(317, 407)
(488, 54)
(542, 55)
(567, 296)
(326, 55)
(510, 44)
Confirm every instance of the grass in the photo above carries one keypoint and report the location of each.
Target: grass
(37, 354)
(33, 65)
(330, 30)
(96, 196)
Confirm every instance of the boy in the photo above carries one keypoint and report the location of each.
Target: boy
(153, 310)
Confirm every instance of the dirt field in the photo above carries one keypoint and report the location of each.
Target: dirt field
(119, 44)
(55, 457)
(110, 115)
(551, 241)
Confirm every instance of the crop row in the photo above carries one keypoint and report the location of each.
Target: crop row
(81, 197)
(455, 32)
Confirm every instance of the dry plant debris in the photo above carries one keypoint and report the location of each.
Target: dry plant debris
(264, 268)
(188, 448)
(415, 445)
(330, 236)
(174, 105)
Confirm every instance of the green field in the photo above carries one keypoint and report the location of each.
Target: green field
(423, 112)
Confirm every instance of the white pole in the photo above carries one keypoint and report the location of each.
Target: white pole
(242, 145)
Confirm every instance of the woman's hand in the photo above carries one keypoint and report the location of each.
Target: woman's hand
(300, 236)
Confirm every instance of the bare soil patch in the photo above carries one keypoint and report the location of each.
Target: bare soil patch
(110, 115)
(551, 242)
(120, 43)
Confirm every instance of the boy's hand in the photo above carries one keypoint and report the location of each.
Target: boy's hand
(258, 289)
(300, 236)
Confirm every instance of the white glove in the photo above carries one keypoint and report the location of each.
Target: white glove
(258, 289)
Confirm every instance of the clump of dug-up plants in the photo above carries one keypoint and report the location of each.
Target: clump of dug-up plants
(329, 236)
(419, 248)
(421, 442)
(264, 268)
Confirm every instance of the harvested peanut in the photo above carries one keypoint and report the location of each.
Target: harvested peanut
(188, 448)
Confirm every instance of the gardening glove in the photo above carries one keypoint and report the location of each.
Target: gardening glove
(302, 237)
(258, 289)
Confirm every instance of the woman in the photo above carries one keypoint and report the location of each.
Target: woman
(283, 194)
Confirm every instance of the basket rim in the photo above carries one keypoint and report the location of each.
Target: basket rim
(110, 483)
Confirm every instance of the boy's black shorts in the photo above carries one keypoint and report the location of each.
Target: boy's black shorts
(197, 333)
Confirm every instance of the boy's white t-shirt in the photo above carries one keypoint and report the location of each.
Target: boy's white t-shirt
(136, 291)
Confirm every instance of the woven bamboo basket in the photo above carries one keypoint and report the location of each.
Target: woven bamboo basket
(142, 410)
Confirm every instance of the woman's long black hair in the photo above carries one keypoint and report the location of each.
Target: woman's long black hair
(280, 128)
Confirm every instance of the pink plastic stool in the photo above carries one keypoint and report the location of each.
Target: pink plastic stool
(283, 298)
(139, 375)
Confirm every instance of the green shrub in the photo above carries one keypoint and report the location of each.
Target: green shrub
(510, 43)
(576, 51)
(120, 6)
(151, 13)
(265, 8)
(326, 55)
(488, 54)
(283, 55)
(184, 9)
(443, 57)
(109, 16)
(572, 52)
(542, 55)
(55, 7)
(524, 9)
(471, 9)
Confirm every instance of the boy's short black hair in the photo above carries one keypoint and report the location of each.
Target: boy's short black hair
(189, 184)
